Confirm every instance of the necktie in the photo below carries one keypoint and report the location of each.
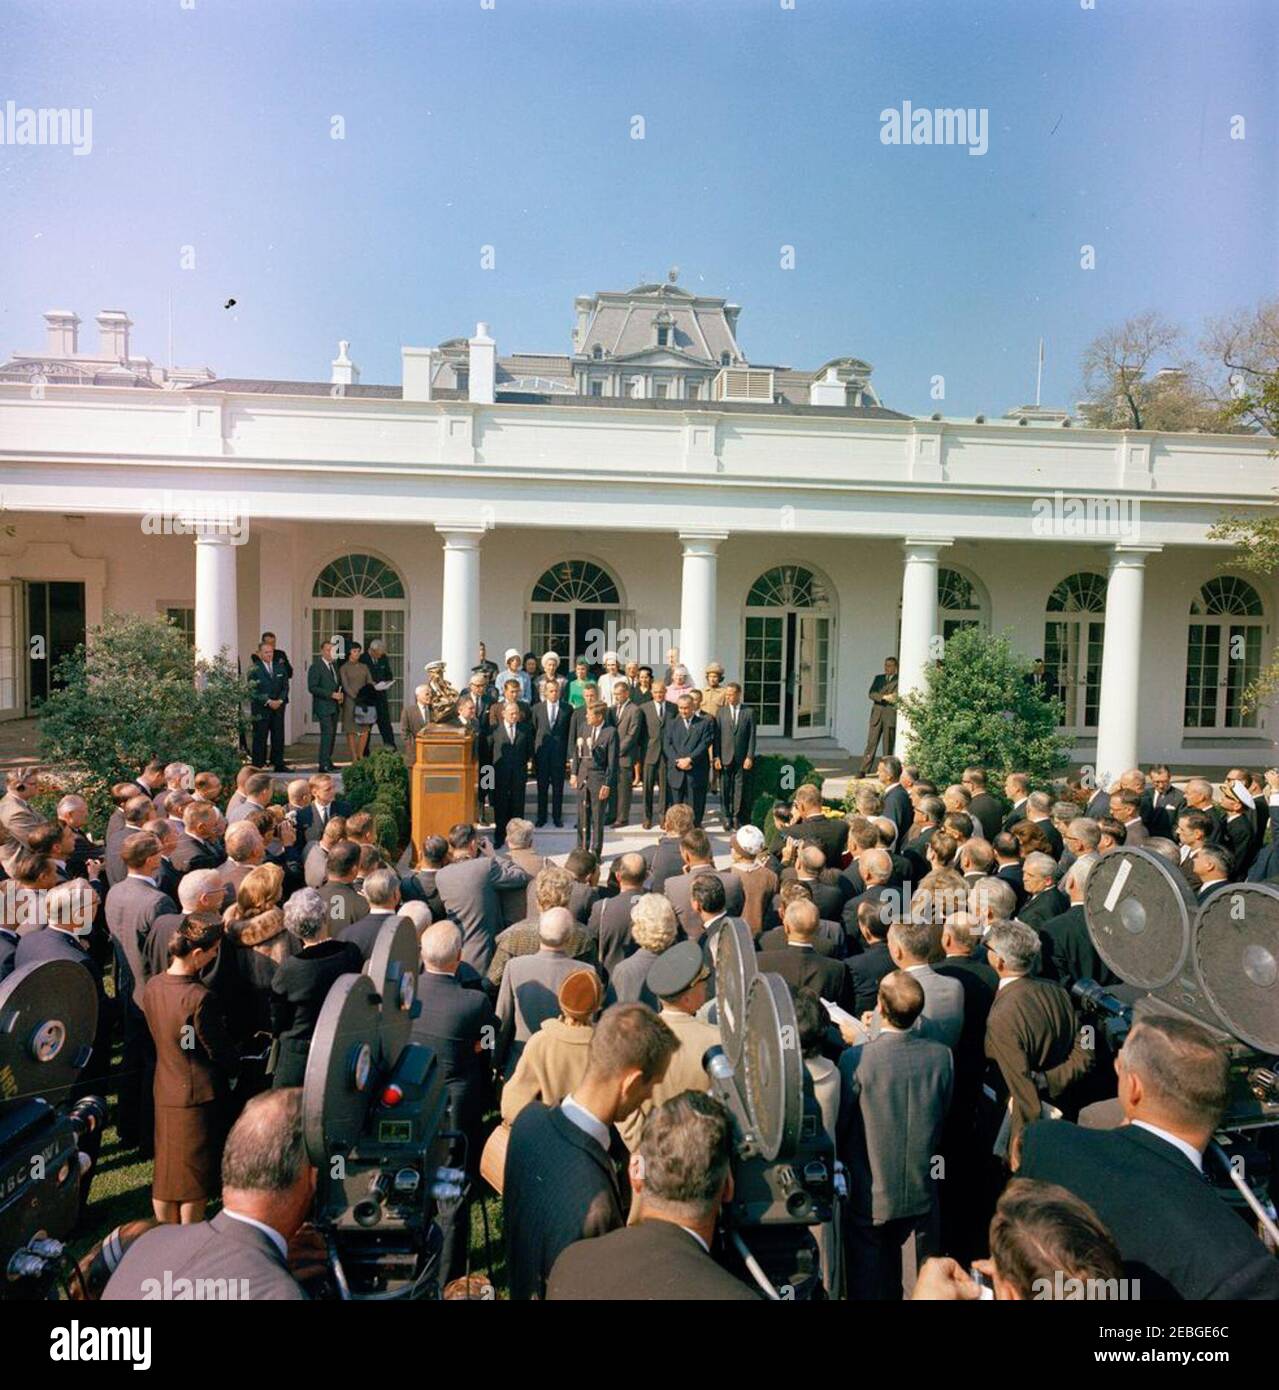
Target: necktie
(594, 731)
(552, 714)
(510, 733)
(687, 725)
(733, 709)
(421, 709)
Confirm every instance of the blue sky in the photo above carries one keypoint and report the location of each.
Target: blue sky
(511, 127)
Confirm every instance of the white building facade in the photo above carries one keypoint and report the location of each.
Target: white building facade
(798, 541)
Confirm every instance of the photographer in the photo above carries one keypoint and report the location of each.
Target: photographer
(683, 1173)
(1040, 1237)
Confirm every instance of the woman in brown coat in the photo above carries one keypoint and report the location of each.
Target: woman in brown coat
(194, 1058)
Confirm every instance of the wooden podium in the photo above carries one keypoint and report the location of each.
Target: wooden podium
(444, 782)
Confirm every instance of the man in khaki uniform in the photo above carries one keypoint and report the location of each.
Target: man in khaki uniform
(678, 977)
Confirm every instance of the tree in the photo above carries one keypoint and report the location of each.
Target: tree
(133, 692)
(1243, 349)
(1120, 393)
(976, 708)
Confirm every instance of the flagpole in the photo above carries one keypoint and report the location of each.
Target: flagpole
(1039, 373)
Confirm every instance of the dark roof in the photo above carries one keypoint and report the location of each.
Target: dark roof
(254, 386)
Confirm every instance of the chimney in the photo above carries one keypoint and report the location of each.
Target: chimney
(62, 333)
(829, 390)
(417, 365)
(113, 334)
(483, 366)
(345, 372)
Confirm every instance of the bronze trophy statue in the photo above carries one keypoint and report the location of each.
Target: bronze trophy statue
(443, 698)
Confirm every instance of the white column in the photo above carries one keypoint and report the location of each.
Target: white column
(698, 593)
(1121, 663)
(216, 608)
(460, 618)
(919, 620)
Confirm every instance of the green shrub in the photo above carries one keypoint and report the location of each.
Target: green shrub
(379, 784)
(132, 692)
(976, 708)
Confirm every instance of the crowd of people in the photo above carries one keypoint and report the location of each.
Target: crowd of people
(930, 938)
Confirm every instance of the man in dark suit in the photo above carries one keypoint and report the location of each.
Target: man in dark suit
(1160, 803)
(688, 740)
(984, 808)
(658, 712)
(198, 846)
(628, 720)
(1017, 790)
(344, 903)
(594, 770)
(245, 1246)
(1041, 680)
(560, 1185)
(810, 865)
(800, 964)
(1043, 899)
(381, 890)
(810, 823)
(610, 919)
(897, 805)
(734, 749)
(1067, 952)
(869, 966)
(1031, 1032)
(268, 678)
(1008, 864)
(883, 713)
(894, 1094)
(380, 673)
(665, 857)
(683, 1177)
(325, 688)
(460, 1027)
(325, 804)
(512, 745)
(552, 716)
(1146, 1180)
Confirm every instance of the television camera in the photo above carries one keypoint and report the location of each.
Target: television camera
(785, 1179)
(1215, 962)
(374, 1106)
(49, 1134)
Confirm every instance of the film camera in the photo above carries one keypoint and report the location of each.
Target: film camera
(1216, 962)
(784, 1171)
(48, 1137)
(374, 1109)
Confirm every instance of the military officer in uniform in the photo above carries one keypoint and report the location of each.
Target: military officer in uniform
(883, 714)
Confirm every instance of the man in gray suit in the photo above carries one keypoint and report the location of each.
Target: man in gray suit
(132, 908)
(894, 1094)
(470, 888)
(268, 1186)
(17, 818)
(529, 993)
(257, 792)
(695, 851)
(910, 944)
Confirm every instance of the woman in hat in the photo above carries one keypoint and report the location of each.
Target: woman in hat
(554, 1058)
(515, 671)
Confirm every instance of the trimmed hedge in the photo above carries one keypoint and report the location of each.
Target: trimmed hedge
(379, 784)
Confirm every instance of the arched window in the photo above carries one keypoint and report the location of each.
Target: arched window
(1223, 653)
(959, 604)
(1074, 631)
(359, 598)
(597, 352)
(788, 668)
(358, 576)
(787, 586)
(571, 601)
(576, 581)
